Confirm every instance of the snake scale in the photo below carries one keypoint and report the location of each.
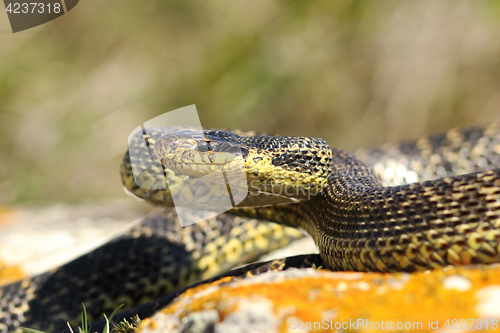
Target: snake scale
(364, 218)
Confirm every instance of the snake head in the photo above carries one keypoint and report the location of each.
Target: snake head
(196, 154)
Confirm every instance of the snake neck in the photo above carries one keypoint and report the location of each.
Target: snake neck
(350, 177)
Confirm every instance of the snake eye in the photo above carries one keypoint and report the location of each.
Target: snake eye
(203, 146)
(173, 146)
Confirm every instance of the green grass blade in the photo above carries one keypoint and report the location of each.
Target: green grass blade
(85, 327)
(116, 311)
(30, 330)
(106, 327)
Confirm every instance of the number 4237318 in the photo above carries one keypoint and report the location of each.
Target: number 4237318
(33, 7)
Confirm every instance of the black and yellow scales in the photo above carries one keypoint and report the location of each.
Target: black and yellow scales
(363, 217)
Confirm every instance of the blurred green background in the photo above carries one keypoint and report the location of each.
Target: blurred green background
(357, 73)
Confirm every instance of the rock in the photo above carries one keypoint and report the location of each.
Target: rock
(323, 301)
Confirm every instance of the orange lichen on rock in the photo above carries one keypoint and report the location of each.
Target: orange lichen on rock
(323, 301)
(10, 274)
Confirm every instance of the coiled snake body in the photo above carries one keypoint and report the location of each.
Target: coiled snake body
(357, 222)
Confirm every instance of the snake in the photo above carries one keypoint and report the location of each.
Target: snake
(408, 206)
